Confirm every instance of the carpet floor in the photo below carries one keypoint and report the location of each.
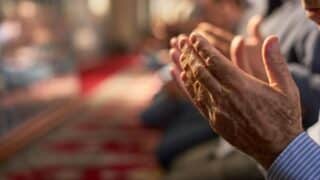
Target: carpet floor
(104, 139)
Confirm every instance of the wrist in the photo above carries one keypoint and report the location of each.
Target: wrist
(267, 159)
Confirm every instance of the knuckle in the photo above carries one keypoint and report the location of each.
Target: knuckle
(198, 45)
(200, 73)
(204, 52)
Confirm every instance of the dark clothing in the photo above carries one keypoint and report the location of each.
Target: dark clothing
(299, 36)
(309, 86)
(163, 111)
(184, 127)
(185, 132)
(272, 6)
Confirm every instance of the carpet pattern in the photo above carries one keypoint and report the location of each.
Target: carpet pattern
(103, 140)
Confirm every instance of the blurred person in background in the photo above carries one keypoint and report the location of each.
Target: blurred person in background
(300, 40)
(188, 14)
(35, 60)
(38, 52)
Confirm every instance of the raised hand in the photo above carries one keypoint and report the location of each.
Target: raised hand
(260, 118)
(246, 52)
(216, 36)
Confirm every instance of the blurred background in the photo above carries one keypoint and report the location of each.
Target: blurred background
(75, 76)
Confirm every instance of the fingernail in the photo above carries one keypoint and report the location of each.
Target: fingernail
(209, 61)
(173, 41)
(193, 38)
(173, 53)
(183, 76)
(183, 44)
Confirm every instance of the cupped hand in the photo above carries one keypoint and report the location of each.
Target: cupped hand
(260, 118)
(245, 51)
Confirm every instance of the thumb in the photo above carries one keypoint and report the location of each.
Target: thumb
(237, 53)
(254, 26)
(276, 67)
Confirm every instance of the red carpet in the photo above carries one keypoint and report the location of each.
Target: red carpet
(103, 141)
(91, 77)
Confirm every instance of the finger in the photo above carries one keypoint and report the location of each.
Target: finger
(200, 96)
(218, 65)
(175, 73)
(216, 36)
(175, 57)
(204, 101)
(204, 109)
(174, 42)
(188, 86)
(189, 58)
(237, 52)
(221, 45)
(216, 31)
(178, 54)
(193, 62)
(182, 43)
(179, 39)
(209, 82)
(211, 95)
(276, 67)
(189, 92)
(254, 27)
(198, 103)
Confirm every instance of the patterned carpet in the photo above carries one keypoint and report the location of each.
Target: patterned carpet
(102, 140)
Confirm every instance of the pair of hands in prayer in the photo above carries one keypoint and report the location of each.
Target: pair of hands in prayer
(243, 87)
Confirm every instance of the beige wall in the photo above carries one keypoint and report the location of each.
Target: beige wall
(125, 23)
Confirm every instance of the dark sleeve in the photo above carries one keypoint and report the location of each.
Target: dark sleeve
(307, 47)
(309, 86)
(304, 63)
